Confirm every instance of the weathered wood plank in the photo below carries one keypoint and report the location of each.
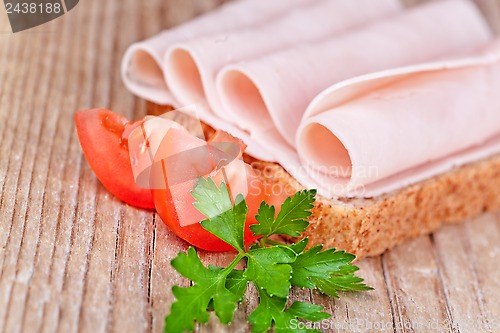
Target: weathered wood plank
(43, 121)
(483, 236)
(462, 292)
(416, 292)
(97, 290)
(162, 275)
(7, 136)
(54, 143)
(360, 312)
(71, 234)
(18, 184)
(131, 282)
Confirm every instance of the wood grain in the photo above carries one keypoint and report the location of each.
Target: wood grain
(75, 259)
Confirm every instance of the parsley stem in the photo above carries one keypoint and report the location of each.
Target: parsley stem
(272, 242)
(264, 241)
(235, 262)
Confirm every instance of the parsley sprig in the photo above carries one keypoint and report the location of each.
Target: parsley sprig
(273, 267)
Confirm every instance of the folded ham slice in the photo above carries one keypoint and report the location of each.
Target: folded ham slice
(141, 65)
(277, 88)
(386, 130)
(190, 67)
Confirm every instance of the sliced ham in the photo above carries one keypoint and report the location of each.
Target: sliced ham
(362, 136)
(190, 67)
(141, 64)
(277, 88)
(383, 131)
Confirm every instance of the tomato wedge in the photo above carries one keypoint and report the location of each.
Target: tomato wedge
(174, 204)
(194, 233)
(103, 137)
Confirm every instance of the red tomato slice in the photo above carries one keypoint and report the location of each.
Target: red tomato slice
(175, 203)
(194, 233)
(102, 135)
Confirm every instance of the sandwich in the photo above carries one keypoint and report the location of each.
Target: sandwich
(394, 122)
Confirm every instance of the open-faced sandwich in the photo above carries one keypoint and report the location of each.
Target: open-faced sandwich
(392, 114)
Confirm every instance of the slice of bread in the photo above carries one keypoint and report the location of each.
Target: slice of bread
(367, 227)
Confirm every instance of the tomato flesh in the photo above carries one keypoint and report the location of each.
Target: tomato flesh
(174, 204)
(102, 135)
(194, 233)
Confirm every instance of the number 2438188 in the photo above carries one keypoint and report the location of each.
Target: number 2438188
(33, 8)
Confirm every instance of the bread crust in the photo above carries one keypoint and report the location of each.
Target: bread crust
(368, 227)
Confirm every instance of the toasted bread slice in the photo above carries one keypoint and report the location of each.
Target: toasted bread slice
(368, 227)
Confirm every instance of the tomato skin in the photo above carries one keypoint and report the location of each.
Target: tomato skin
(102, 135)
(194, 234)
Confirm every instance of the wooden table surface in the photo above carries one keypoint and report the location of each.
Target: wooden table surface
(74, 258)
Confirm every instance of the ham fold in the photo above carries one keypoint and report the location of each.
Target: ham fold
(387, 130)
(275, 90)
(141, 65)
(190, 67)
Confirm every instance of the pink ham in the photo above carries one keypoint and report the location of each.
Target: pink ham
(141, 65)
(276, 89)
(383, 131)
(190, 67)
(363, 136)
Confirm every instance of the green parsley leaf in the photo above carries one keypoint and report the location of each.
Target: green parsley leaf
(272, 310)
(224, 220)
(307, 311)
(292, 218)
(300, 245)
(192, 302)
(329, 271)
(270, 270)
(211, 200)
(336, 283)
(236, 282)
(313, 263)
